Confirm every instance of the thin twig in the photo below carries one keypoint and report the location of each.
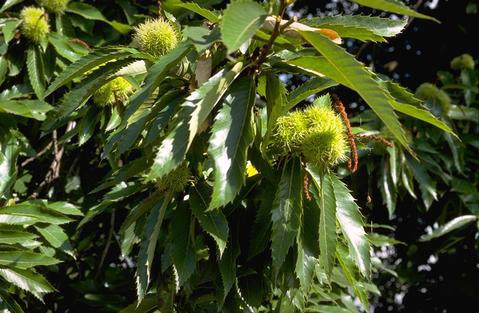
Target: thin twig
(39, 154)
(276, 32)
(54, 170)
(108, 243)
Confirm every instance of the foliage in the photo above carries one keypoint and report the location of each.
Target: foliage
(160, 173)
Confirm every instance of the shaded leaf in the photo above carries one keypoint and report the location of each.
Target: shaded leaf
(286, 211)
(213, 222)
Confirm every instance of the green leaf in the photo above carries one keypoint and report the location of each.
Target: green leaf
(309, 88)
(332, 309)
(227, 266)
(305, 268)
(394, 6)
(67, 49)
(241, 20)
(27, 280)
(91, 13)
(188, 121)
(55, 235)
(155, 76)
(261, 231)
(231, 135)
(9, 302)
(25, 259)
(327, 221)
(286, 211)
(34, 109)
(8, 29)
(193, 7)
(33, 213)
(87, 63)
(78, 96)
(86, 127)
(10, 147)
(149, 303)
(148, 246)
(339, 65)
(64, 208)
(276, 104)
(387, 189)
(426, 184)
(453, 224)
(463, 113)
(350, 220)
(406, 103)
(347, 266)
(35, 71)
(213, 222)
(9, 3)
(376, 26)
(14, 236)
(183, 252)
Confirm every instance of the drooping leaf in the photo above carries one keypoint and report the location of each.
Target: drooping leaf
(231, 135)
(148, 246)
(227, 266)
(327, 221)
(240, 21)
(27, 280)
(35, 71)
(183, 252)
(347, 267)
(453, 224)
(350, 220)
(213, 222)
(286, 212)
(189, 119)
(261, 231)
(276, 104)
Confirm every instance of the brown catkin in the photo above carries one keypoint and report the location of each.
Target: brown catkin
(377, 138)
(306, 187)
(353, 160)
